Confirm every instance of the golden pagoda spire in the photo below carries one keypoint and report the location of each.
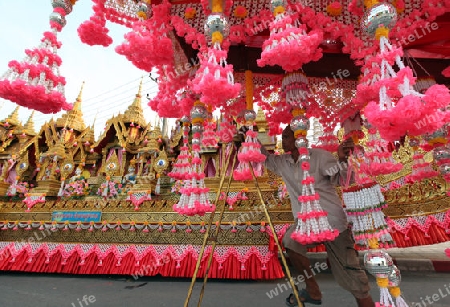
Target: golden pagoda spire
(73, 119)
(263, 127)
(13, 118)
(261, 120)
(134, 114)
(89, 136)
(77, 104)
(29, 126)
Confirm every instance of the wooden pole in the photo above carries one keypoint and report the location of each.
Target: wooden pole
(205, 237)
(216, 234)
(275, 237)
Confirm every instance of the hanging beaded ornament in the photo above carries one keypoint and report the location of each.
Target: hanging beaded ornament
(148, 44)
(313, 225)
(181, 167)
(194, 194)
(363, 206)
(209, 138)
(380, 265)
(394, 279)
(377, 159)
(421, 169)
(289, 46)
(36, 82)
(250, 151)
(214, 80)
(400, 109)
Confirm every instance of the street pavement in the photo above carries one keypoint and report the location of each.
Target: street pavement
(425, 282)
(52, 290)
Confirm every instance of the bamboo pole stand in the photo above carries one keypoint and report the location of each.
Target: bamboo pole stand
(213, 238)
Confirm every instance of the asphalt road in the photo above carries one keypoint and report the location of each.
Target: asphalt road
(43, 290)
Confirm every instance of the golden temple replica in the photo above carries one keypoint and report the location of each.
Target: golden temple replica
(73, 204)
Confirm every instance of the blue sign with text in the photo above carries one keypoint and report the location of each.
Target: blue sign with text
(77, 216)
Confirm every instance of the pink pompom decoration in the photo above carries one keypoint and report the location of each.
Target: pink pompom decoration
(305, 166)
(148, 44)
(214, 81)
(226, 132)
(288, 46)
(242, 174)
(94, 32)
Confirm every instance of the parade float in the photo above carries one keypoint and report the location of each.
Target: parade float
(138, 201)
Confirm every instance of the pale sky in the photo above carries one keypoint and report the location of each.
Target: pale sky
(111, 80)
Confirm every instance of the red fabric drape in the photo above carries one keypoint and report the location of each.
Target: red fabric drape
(231, 268)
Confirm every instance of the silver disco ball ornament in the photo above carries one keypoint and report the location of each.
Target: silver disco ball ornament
(197, 128)
(304, 157)
(379, 15)
(441, 153)
(439, 134)
(414, 142)
(58, 18)
(367, 125)
(300, 122)
(394, 277)
(217, 22)
(185, 119)
(301, 142)
(444, 169)
(143, 7)
(378, 263)
(276, 3)
(249, 115)
(198, 113)
(66, 5)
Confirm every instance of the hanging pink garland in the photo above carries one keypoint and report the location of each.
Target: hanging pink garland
(377, 158)
(226, 131)
(214, 81)
(194, 194)
(209, 139)
(36, 83)
(93, 31)
(400, 107)
(289, 46)
(148, 44)
(312, 225)
(181, 167)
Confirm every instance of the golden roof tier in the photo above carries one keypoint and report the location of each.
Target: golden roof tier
(134, 114)
(73, 119)
(268, 141)
(28, 128)
(13, 118)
